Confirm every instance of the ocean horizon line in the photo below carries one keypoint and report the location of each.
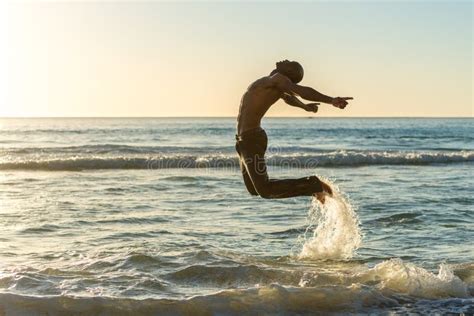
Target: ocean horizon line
(219, 117)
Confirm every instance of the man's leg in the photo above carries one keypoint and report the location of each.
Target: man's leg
(247, 181)
(253, 158)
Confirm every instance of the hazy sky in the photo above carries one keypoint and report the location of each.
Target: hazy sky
(197, 58)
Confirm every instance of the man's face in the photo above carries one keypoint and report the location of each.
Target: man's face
(291, 69)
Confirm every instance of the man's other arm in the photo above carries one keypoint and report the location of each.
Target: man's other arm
(294, 101)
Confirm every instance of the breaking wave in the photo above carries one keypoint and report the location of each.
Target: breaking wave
(392, 285)
(297, 160)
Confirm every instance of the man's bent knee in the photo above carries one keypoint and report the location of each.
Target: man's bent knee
(265, 193)
(251, 189)
(253, 193)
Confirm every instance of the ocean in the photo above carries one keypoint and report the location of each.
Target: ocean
(150, 216)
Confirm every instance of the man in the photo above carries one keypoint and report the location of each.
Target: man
(252, 139)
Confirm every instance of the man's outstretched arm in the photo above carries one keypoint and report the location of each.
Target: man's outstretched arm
(307, 93)
(310, 94)
(294, 101)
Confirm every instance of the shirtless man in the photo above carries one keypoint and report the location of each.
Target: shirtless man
(252, 139)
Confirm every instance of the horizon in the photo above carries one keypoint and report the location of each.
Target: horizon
(233, 117)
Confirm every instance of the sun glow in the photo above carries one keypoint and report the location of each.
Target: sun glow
(157, 59)
(4, 65)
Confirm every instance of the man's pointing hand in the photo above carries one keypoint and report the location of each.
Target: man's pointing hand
(340, 102)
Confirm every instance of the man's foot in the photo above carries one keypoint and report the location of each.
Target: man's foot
(326, 188)
(321, 196)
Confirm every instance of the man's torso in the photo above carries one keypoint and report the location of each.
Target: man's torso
(256, 101)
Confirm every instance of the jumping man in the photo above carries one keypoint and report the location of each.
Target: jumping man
(252, 139)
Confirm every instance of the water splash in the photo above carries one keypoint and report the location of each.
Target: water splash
(336, 228)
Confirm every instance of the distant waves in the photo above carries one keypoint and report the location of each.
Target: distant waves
(146, 160)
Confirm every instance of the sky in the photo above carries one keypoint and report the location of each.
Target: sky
(403, 58)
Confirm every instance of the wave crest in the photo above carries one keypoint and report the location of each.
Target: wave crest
(309, 160)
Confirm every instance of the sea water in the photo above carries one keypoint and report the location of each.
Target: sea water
(151, 217)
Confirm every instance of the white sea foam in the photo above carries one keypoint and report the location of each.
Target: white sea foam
(408, 278)
(334, 288)
(336, 232)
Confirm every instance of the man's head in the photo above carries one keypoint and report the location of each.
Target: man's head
(291, 69)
